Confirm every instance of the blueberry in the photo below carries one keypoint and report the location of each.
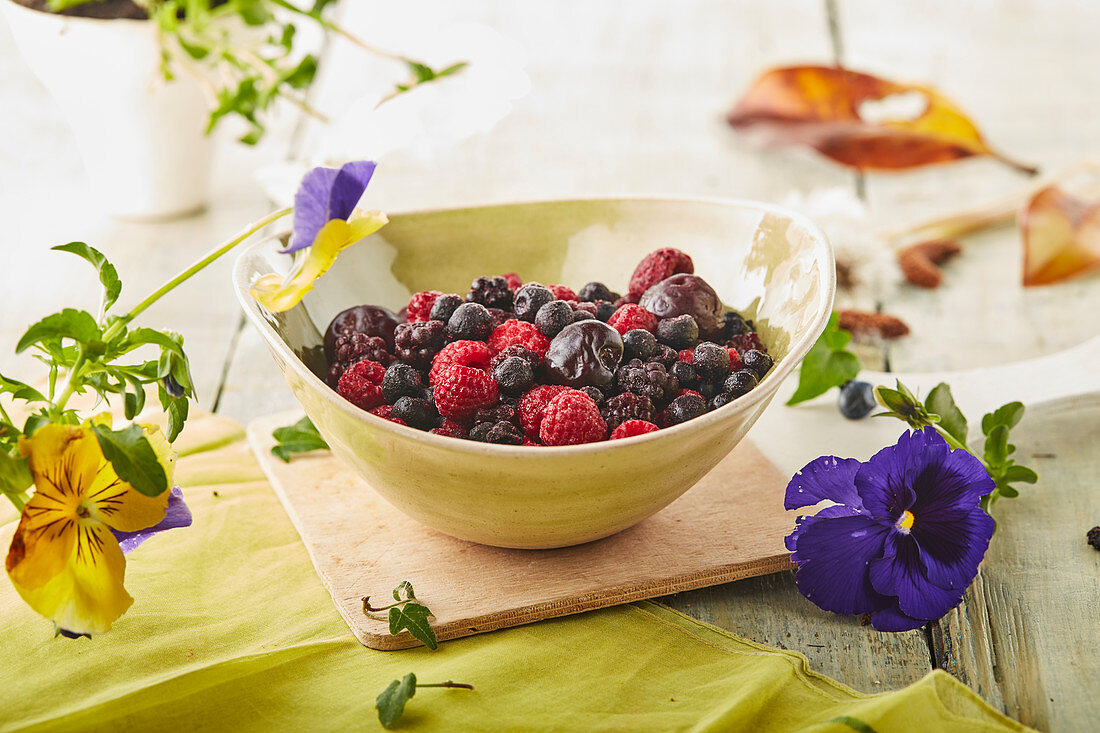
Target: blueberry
(679, 332)
(684, 408)
(721, 400)
(639, 343)
(514, 375)
(604, 310)
(665, 355)
(579, 316)
(595, 393)
(711, 361)
(417, 413)
(470, 322)
(401, 380)
(444, 307)
(740, 383)
(529, 299)
(758, 361)
(684, 373)
(733, 324)
(553, 317)
(596, 291)
(856, 400)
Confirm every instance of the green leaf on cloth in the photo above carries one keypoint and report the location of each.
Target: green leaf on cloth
(828, 364)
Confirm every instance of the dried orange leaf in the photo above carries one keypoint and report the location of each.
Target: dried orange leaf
(1061, 236)
(858, 119)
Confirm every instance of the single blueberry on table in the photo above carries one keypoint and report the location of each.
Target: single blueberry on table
(856, 399)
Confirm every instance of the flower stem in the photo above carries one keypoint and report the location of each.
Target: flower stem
(951, 441)
(72, 381)
(448, 683)
(186, 274)
(20, 500)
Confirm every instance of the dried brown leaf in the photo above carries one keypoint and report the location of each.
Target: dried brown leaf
(1061, 236)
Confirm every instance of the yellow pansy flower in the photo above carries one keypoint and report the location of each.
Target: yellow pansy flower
(65, 560)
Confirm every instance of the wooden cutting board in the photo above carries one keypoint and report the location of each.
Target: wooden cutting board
(728, 526)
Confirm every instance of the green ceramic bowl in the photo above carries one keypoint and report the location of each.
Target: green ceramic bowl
(774, 266)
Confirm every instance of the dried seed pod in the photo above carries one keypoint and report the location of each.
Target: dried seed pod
(864, 323)
(920, 262)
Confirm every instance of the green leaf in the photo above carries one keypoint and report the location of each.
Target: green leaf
(940, 402)
(20, 391)
(996, 447)
(133, 458)
(404, 592)
(391, 701)
(414, 617)
(108, 275)
(1007, 491)
(253, 12)
(828, 364)
(1020, 473)
(133, 399)
(80, 326)
(301, 76)
(301, 437)
(15, 474)
(177, 416)
(33, 423)
(1008, 415)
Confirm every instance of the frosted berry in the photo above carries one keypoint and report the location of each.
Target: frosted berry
(449, 428)
(444, 307)
(361, 384)
(630, 428)
(467, 353)
(553, 317)
(529, 299)
(639, 343)
(685, 373)
(594, 291)
(758, 361)
(745, 342)
(521, 333)
(627, 406)
(720, 400)
(418, 343)
(733, 324)
(513, 280)
(740, 383)
(416, 412)
(460, 391)
(657, 266)
(500, 433)
(562, 293)
(629, 317)
(469, 322)
(420, 305)
(679, 332)
(711, 361)
(686, 407)
(401, 380)
(514, 375)
(649, 380)
(516, 350)
(353, 347)
(596, 394)
(572, 418)
(369, 320)
(491, 292)
(533, 404)
(685, 295)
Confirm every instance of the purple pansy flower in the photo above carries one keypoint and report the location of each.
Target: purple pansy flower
(903, 540)
(178, 515)
(326, 194)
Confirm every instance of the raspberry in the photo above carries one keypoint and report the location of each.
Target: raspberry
(460, 391)
(491, 292)
(417, 344)
(420, 306)
(501, 433)
(687, 355)
(625, 407)
(746, 341)
(352, 347)
(629, 317)
(562, 293)
(385, 412)
(630, 428)
(532, 405)
(572, 418)
(449, 428)
(522, 333)
(527, 441)
(513, 280)
(657, 266)
(735, 359)
(467, 353)
(361, 384)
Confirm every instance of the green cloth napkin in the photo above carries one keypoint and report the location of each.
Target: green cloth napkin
(231, 630)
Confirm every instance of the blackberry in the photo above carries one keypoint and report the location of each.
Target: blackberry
(401, 380)
(740, 382)
(491, 292)
(856, 399)
(685, 407)
(648, 380)
(444, 307)
(596, 291)
(369, 320)
(500, 412)
(529, 299)
(516, 350)
(355, 347)
(665, 355)
(720, 400)
(604, 310)
(681, 332)
(595, 393)
(416, 412)
(627, 406)
(553, 317)
(499, 316)
(711, 361)
(417, 344)
(758, 361)
(733, 324)
(639, 344)
(684, 373)
(514, 375)
(469, 322)
(501, 433)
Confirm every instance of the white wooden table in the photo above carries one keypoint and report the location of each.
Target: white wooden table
(628, 97)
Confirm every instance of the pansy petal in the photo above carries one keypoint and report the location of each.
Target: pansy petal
(348, 187)
(883, 482)
(311, 205)
(892, 619)
(949, 479)
(87, 596)
(898, 573)
(952, 543)
(178, 515)
(836, 510)
(824, 478)
(43, 540)
(833, 556)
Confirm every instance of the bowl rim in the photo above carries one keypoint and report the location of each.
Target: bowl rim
(798, 350)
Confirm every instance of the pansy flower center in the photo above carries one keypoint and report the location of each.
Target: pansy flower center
(905, 522)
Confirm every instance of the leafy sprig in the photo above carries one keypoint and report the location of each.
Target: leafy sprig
(827, 364)
(301, 437)
(940, 412)
(406, 613)
(390, 703)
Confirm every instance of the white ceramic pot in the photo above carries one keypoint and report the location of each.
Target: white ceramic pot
(142, 138)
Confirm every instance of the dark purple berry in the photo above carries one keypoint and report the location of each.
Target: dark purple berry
(758, 361)
(500, 433)
(514, 375)
(686, 407)
(529, 299)
(597, 291)
(604, 310)
(1093, 537)
(720, 400)
(711, 361)
(639, 344)
(856, 399)
(401, 380)
(679, 332)
(684, 373)
(595, 393)
(627, 406)
(417, 344)
(491, 292)
(369, 320)
(553, 317)
(685, 295)
(416, 412)
(354, 347)
(470, 322)
(733, 324)
(665, 355)
(740, 382)
(444, 307)
(502, 411)
(586, 353)
(649, 380)
(579, 316)
(516, 350)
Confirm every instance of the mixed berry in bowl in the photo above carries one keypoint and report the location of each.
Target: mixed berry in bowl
(517, 363)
